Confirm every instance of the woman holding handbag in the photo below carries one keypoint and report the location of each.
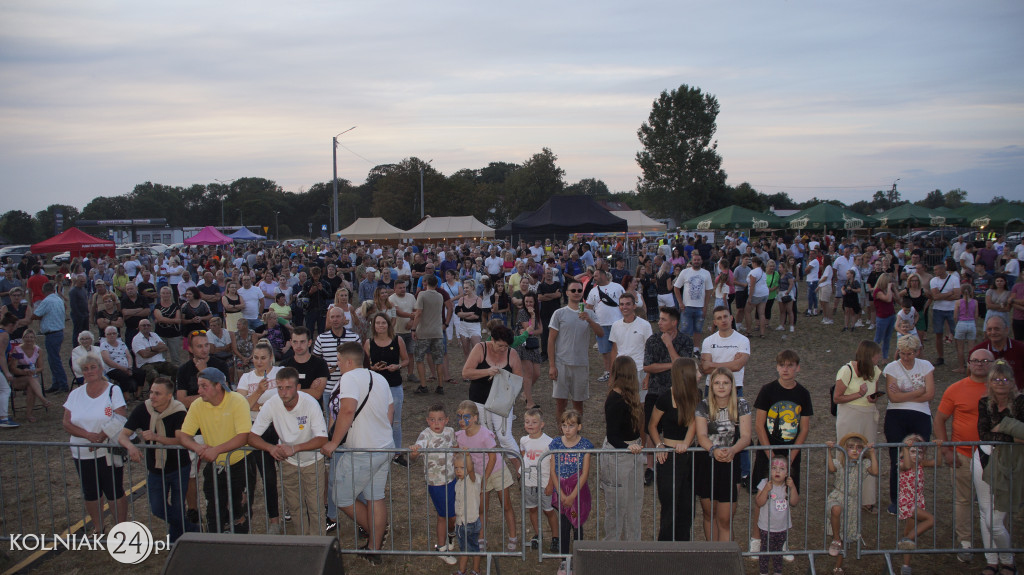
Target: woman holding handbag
(483, 363)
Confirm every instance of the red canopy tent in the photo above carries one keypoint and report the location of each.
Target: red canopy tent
(208, 236)
(77, 242)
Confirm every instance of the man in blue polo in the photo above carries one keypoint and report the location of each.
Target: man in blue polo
(51, 314)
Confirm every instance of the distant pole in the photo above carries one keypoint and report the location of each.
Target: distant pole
(422, 168)
(228, 184)
(334, 152)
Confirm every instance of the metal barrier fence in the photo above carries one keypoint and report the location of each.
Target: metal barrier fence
(41, 492)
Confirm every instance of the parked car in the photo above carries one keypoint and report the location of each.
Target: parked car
(62, 258)
(295, 243)
(15, 252)
(943, 234)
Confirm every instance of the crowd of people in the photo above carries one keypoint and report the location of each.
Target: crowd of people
(299, 353)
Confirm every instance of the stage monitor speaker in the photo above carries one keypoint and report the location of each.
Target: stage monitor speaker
(618, 557)
(229, 554)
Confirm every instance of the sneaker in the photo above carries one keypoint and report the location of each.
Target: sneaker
(513, 544)
(604, 377)
(792, 328)
(287, 515)
(8, 423)
(554, 548)
(871, 326)
(755, 547)
(373, 558)
(534, 542)
(274, 529)
(331, 525)
(965, 556)
(858, 324)
(439, 390)
(562, 569)
(781, 328)
(648, 477)
(421, 390)
(906, 570)
(906, 544)
(400, 460)
(891, 509)
(446, 558)
(787, 558)
(844, 329)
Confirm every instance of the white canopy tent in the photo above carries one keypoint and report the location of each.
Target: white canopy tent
(445, 227)
(640, 222)
(370, 229)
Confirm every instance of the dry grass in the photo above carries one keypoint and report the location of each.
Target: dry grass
(823, 349)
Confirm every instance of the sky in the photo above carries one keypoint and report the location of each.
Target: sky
(827, 99)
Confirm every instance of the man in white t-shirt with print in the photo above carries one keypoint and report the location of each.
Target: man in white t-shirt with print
(945, 288)
(300, 425)
(694, 298)
(604, 300)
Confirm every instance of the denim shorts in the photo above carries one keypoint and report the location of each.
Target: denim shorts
(468, 536)
(360, 475)
(692, 320)
(604, 345)
(966, 330)
(940, 318)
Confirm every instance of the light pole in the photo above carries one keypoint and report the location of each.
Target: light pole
(277, 227)
(334, 152)
(892, 194)
(228, 184)
(422, 167)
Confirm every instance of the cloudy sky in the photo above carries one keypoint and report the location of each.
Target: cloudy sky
(817, 98)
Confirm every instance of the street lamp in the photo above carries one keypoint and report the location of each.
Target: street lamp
(334, 152)
(422, 167)
(228, 184)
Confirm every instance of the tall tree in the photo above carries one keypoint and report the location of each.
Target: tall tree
(18, 227)
(680, 162)
(934, 199)
(589, 187)
(46, 218)
(533, 184)
(955, 198)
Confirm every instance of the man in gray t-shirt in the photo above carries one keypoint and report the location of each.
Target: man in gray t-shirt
(427, 328)
(569, 344)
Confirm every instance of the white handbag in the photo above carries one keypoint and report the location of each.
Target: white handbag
(505, 388)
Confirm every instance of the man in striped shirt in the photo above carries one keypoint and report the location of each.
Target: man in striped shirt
(326, 347)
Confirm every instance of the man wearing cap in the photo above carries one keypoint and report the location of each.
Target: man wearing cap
(223, 415)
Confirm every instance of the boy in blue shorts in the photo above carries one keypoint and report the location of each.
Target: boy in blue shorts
(440, 475)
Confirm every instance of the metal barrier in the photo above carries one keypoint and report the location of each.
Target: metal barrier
(40, 492)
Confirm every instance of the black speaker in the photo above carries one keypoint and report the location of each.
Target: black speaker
(617, 557)
(229, 554)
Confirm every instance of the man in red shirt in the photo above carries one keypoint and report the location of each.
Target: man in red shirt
(35, 284)
(997, 341)
(960, 403)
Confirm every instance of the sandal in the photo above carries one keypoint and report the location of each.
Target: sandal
(451, 380)
(1007, 570)
(835, 548)
(838, 571)
(872, 509)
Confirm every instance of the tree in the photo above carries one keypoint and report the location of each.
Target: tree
(934, 199)
(531, 185)
(589, 187)
(955, 198)
(46, 218)
(18, 227)
(680, 162)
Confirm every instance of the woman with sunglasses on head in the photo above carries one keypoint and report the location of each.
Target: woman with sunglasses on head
(1000, 418)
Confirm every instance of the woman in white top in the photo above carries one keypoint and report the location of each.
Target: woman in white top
(85, 347)
(119, 364)
(825, 294)
(173, 270)
(87, 409)
(258, 386)
(910, 383)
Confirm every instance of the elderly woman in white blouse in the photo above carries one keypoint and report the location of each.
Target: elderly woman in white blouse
(86, 346)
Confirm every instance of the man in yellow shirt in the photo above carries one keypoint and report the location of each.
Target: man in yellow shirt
(223, 415)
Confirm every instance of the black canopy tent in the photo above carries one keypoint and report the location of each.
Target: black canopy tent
(561, 216)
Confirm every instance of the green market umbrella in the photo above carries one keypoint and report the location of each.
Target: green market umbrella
(826, 216)
(734, 218)
(992, 215)
(912, 215)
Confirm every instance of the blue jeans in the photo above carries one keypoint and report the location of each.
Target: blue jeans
(53, 342)
(812, 296)
(175, 484)
(883, 333)
(398, 396)
(744, 455)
